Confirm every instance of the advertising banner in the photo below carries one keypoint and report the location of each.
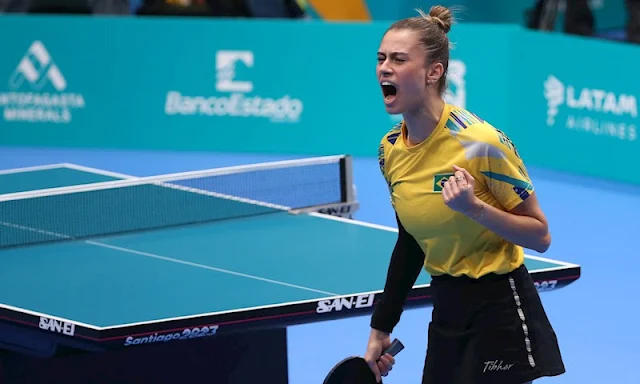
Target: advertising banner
(303, 87)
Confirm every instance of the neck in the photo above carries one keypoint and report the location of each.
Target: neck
(423, 121)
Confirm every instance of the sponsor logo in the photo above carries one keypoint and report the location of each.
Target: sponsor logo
(226, 71)
(233, 98)
(351, 302)
(344, 210)
(57, 326)
(546, 285)
(495, 365)
(599, 112)
(187, 333)
(38, 90)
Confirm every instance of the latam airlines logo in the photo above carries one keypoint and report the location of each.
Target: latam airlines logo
(592, 110)
(37, 90)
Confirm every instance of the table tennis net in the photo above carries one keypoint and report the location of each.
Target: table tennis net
(121, 206)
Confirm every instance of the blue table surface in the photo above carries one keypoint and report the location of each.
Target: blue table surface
(181, 271)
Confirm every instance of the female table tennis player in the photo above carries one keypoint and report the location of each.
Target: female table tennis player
(465, 209)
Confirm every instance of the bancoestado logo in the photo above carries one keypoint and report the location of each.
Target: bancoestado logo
(38, 90)
(351, 302)
(234, 98)
(592, 110)
(187, 333)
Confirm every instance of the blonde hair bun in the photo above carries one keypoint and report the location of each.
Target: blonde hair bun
(441, 15)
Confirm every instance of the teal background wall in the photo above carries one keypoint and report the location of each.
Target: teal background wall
(303, 88)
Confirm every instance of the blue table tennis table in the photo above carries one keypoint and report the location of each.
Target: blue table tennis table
(99, 261)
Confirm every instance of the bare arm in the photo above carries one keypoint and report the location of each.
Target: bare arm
(525, 225)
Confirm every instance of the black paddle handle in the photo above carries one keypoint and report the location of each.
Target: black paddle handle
(395, 348)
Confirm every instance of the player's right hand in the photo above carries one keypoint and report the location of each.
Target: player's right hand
(380, 365)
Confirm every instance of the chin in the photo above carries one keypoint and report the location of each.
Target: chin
(394, 109)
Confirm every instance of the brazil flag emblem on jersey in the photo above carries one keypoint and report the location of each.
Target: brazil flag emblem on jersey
(439, 180)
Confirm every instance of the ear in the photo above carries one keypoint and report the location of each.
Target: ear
(434, 73)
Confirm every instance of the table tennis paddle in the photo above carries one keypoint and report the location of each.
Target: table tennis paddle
(355, 370)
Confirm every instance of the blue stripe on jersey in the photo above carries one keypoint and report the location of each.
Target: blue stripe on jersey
(393, 134)
(470, 117)
(454, 126)
(381, 158)
(461, 116)
(391, 138)
(508, 179)
(460, 119)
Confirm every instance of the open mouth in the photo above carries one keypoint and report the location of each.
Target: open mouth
(389, 90)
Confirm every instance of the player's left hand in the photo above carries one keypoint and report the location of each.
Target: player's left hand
(458, 191)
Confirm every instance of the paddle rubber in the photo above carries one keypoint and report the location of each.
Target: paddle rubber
(355, 370)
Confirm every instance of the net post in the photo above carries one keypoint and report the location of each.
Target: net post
(346, 170)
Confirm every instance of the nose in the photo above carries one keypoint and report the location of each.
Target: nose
(385, 69)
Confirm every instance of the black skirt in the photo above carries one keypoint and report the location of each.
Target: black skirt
(489, 330)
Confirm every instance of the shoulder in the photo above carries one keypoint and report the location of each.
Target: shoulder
(387, 141)
(470, 126)
(390, 138)
(392, 135)
(481, 139)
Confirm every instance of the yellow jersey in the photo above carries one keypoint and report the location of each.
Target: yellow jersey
(454, 244)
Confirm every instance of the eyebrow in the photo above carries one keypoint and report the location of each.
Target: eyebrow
(395, 53)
